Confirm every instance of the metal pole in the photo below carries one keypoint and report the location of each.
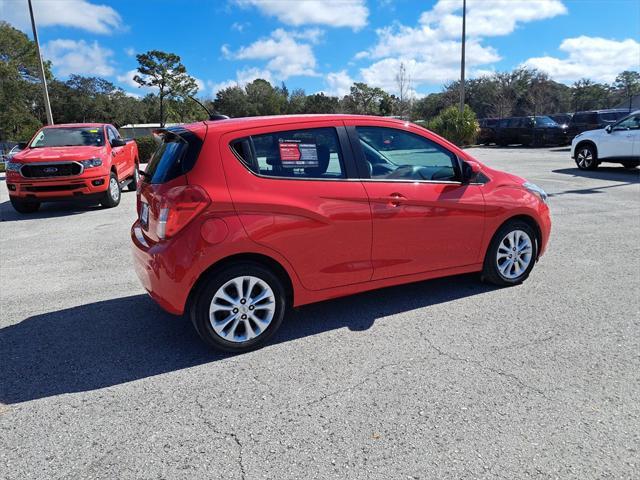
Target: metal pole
(464, 28)
(45, 92)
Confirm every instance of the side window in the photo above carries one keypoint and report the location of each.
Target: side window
(310, 153)
(580, 118)
(399, 155)
(630, 123)
(111, 134)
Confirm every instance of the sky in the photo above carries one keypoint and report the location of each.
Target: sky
(325, 46)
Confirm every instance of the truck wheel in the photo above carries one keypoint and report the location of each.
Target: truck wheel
(111, 197)
(23, 206)
(135, 179)
(238, 308)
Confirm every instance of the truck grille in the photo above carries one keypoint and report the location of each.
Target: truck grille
(47, 170)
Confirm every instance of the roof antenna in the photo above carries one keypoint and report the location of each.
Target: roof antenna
(212, 116)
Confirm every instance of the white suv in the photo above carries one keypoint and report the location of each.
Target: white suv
(618, 143)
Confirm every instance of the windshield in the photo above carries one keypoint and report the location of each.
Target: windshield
(69, 137)
(545, 122)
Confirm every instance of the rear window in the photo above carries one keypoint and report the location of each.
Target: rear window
(311, 153)
(176, 155)
(584, 117)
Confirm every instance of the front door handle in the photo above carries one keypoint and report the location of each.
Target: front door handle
(394, 199)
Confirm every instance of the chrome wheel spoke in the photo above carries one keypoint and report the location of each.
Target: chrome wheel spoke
(514, 254)
(242, 309)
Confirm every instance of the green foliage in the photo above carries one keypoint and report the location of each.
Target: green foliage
(457, 128)
(146, 147)
(364, 100)
(165, 72)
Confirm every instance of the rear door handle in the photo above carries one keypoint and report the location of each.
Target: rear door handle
(394, 199)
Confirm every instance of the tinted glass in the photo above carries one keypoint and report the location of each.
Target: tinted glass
(309, 153)
(398, 155)
(545, 122)
(513, 123)
(175, 156)
(69, 137)
(612, 116)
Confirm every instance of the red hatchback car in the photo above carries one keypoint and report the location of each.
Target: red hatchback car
(242, 219)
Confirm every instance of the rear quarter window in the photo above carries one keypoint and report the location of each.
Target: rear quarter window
(176, 155)
(295, 154)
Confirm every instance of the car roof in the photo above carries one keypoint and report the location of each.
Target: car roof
(80, 125)
(239, 123)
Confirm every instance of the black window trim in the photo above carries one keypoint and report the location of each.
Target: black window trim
(348, 162)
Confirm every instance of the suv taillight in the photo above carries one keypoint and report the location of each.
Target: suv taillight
(178, 207)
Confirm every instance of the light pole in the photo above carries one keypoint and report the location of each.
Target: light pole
(464, 26)
(45, 92)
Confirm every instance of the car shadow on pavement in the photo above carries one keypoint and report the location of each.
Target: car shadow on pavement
(49, 210)
(125, 339)
(622, 176)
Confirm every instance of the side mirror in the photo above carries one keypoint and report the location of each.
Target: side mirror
(22, 145)
(608, 128)
(118, 142)
(468, 171)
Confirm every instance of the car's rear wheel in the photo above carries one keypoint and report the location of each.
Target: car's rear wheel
(24, 206)
(586, 157)
(511, 254)
(111, 197)
(239, 308)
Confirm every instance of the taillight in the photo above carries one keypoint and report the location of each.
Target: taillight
(178, 207)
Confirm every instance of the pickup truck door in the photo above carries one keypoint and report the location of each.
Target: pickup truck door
(118, 154)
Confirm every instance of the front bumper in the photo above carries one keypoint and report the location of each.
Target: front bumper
(82, 186)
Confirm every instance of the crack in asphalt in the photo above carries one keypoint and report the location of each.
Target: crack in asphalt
(480, 365)
(225, 435)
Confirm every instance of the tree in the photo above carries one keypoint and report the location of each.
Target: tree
(232, 101)
(363, 99)
(321, 103)
(588, 95)
(263, 99)
(164, 71)
(403, 85)
(629, 84)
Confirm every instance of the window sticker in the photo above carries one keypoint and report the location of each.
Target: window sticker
(93, 130)
(295, 154)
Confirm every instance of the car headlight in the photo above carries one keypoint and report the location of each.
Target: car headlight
(93, 162)
(12, 166)
(537, 191)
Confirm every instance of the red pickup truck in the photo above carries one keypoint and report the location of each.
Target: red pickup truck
(72, 161)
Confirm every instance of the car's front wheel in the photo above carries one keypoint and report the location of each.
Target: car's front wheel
(239, 308)
(511, 254)
(24, 206)
(586, 157)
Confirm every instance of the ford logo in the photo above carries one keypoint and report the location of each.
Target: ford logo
(50, 170)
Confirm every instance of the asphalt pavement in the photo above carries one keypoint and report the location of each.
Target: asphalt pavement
(449, 378)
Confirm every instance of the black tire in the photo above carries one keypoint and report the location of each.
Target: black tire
(630, 166)
(24, 206)
(586, 157)
(203, 297)
(110, 200)
(135, 179)
(491, 272)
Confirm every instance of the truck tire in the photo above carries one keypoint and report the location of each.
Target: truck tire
(135, 179)
(111, 197)
(24, 206)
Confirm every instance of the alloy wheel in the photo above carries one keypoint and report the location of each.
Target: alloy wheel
(585, 158)
(114, 189)
(242, 309)
(514, 255)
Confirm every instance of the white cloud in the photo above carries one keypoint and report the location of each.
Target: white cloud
(78, 57)
(67, 13)
(333, 13)
(431, 49)
(127, 79)
(286, 57)
(596, 58)
(339, 83)
(244, 76)
(130, 51)
(489, 18)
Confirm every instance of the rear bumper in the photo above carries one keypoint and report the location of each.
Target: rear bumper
(163, 283)
(57, 189)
